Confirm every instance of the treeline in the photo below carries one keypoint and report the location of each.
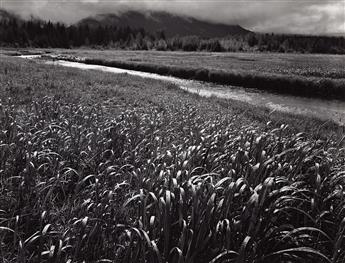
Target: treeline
(57, 35)
(296, 43)
(41, 34)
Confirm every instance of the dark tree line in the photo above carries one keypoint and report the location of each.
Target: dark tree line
(297, 43)
(41, 34)
(48, 34)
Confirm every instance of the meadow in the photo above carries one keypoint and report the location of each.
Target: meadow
(97, 167)
(318, 76)
(308, 65)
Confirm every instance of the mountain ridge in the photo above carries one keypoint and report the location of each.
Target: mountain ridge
(171, 24)
(6, 16)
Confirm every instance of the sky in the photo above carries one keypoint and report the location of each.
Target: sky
(317, 17)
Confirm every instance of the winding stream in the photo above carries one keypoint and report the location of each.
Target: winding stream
(322, 109)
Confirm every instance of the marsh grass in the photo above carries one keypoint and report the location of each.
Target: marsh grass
(164, 178)
(293, 85)
(318, 76)
(307, 65)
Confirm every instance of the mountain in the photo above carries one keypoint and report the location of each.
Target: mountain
(153, 21)
(7, 16)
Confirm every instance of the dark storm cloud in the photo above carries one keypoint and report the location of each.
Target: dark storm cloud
(292, 16)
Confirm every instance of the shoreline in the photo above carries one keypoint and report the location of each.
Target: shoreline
(310, 87)
(314, 126)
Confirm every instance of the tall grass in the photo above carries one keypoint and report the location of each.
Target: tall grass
(164, 185)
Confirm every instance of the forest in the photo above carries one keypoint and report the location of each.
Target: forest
(41, 34)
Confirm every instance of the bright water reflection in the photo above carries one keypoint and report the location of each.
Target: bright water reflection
(323, 109)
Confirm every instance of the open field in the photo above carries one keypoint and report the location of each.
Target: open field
(308, 65)
(96, 167)
(318, 76)
(312, 76)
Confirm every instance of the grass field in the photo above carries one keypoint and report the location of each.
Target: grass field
(313, 76)
(319, 76)
(308, 65)
(97, 167)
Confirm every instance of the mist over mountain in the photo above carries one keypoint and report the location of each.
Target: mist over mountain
(144, 31)
(171, 24)
(312, 17)
(7, 16)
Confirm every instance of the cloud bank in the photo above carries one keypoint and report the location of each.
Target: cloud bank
(280, 16)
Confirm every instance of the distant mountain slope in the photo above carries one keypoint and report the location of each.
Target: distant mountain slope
(171, 24)
(7, 16)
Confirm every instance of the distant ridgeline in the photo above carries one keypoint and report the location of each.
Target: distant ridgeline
(137, 31)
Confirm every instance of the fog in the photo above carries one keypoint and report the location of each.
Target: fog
(279, 16)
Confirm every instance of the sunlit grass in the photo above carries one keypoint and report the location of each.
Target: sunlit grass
(162, 178)
(163, 186)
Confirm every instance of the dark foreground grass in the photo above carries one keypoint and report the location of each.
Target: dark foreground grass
(97, 167)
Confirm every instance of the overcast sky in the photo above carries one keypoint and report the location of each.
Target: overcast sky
(286, 16)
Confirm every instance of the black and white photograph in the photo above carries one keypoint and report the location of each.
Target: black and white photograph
(172, 131)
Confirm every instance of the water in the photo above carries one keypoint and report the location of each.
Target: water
(322, 109)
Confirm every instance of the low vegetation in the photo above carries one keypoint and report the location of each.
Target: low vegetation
(110, 168)
(299, 86)
(316, 76)
(295, 65)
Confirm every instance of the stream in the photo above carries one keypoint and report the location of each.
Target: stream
(322, 109)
